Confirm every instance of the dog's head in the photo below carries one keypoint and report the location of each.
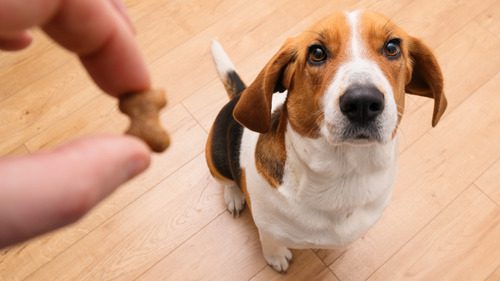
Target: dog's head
(346, 79)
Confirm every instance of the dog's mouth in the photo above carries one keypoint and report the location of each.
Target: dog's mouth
(355, 134)
(362, 137)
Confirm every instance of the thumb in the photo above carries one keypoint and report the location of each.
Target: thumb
(15, 41)
(47, 190)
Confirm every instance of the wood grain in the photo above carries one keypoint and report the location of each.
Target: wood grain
(138, 237)
(227, 249)
(31, 255)
(489, 182)
(170, 223)
(461, 243)
(490, 19)
(495, 276)
(309, 267)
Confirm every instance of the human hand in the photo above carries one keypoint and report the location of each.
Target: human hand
(47, 190)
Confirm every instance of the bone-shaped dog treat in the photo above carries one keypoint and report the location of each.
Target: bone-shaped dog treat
(143, 109)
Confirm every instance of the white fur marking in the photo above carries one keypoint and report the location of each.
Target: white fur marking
(276, 255)
(357, 70)
(222, 61)
(234, 198)
(355, 40)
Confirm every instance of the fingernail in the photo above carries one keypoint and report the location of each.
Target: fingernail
(137, 164)
(16, 42)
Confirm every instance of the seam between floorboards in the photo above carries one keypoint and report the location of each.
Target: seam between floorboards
(258, 272)
(485, 194)
(472, 19)
(422, 228)
(53, 46)
(52, 125)
(481, 26)
(109, 218)
(256, 51)
(180, 245)
(485, 171)
(473, 94)
(491, 274)
(327, 266)
(192, 116)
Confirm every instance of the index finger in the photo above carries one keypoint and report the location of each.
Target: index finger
(92, 29)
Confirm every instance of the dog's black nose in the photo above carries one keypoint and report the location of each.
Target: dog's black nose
(361, 104)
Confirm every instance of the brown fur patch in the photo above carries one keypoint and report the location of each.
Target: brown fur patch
(253, 110)
(376, 30)
(304, 103)
(416, 71)
(270, 152)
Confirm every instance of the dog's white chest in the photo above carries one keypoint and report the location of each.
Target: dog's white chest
(328, 198)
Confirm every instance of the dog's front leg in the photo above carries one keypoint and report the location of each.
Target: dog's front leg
(276, 255)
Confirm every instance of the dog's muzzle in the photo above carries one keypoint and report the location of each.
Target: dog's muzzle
(361, 105)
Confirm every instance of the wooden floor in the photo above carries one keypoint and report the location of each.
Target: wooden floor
(443, 222)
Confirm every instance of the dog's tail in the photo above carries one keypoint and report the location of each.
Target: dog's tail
(226, 70)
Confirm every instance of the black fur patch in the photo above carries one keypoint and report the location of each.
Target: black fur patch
(235, 83)
(227, 132)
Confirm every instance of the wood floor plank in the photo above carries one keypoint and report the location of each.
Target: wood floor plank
(193, 57)
(490, 19)
(18, 151)
(206, 102)
(35, 62)
(436, 21)
(329, 256)
(489, 182)
(169, 223)
(305, 266)
(461, 77)
(459, 244)
(99, 116)
(495, 276)
(33, 254)
(433, 171)
(425, 20)
(144, 232)
(47, 83)
(164, 26)
(227, 249)
(38, 105)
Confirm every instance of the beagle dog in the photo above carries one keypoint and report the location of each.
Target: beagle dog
(311, 144)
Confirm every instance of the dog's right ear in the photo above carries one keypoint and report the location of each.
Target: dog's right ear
(426, 79)
(253, 110)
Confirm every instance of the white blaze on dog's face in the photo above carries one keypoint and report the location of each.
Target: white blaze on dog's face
(360, 63)
(346, 78)
(359, 103)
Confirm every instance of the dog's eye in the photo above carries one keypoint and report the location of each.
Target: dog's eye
(392, 49)
(317, 54)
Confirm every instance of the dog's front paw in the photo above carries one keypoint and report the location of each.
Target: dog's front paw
(280, 259)
(235, 199)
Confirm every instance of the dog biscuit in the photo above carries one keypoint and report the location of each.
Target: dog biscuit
(143, 110)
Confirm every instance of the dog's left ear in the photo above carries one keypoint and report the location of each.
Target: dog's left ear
(253, 109)
(426, 78)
